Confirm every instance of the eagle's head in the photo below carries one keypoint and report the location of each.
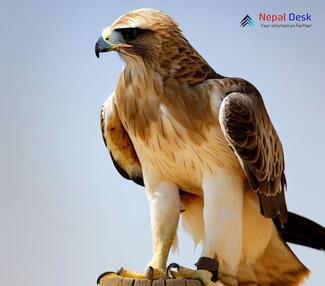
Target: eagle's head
(149, 38)
(143, 34)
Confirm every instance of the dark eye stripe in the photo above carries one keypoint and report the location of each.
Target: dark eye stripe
(130, 34)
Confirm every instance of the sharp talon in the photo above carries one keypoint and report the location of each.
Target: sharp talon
(118, 272)
(150, 273)
(102, 275)
(171, 267)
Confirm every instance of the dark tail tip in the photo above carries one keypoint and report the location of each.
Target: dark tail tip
(302, 231)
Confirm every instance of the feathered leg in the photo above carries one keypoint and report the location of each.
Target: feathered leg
(223, 226)
(164, 203)
(223, 212)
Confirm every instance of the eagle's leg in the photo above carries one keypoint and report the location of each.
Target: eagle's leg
(223, 223)
(223, 226)
(164, 203)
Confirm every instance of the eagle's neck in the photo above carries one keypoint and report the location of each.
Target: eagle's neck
(184, 63)
(143, 95)
(177, 60)
(136, 99)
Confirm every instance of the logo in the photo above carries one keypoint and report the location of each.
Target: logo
(282, 20)
(284, 17)
(247, 20)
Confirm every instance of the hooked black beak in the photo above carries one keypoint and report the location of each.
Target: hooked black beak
(102, 47)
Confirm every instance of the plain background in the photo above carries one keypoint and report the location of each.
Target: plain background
(66, 215)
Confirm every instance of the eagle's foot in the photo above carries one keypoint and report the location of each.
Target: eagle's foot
(150, 274)
(104, 277)
(207, 272)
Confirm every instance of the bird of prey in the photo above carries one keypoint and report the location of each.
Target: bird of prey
(205, 149)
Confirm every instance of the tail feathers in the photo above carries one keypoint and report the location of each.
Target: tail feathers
(278, 265)
(302, 231)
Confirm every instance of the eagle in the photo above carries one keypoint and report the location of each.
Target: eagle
(206, 151)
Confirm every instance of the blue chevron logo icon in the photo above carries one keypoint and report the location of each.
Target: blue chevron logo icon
(247, 20)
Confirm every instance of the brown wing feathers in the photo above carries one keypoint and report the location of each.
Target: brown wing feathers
(251, 134)
(119, 143)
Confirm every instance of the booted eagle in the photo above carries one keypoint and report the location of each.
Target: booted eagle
(205, 149)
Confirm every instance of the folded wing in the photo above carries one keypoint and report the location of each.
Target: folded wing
(249, 131)
(119, 143)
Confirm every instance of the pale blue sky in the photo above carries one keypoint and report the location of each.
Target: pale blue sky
(66, 215)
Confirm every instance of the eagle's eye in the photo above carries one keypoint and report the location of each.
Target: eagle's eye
(130, 34)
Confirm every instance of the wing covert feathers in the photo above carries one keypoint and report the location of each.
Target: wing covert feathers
(119, 143)
(249, 131)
